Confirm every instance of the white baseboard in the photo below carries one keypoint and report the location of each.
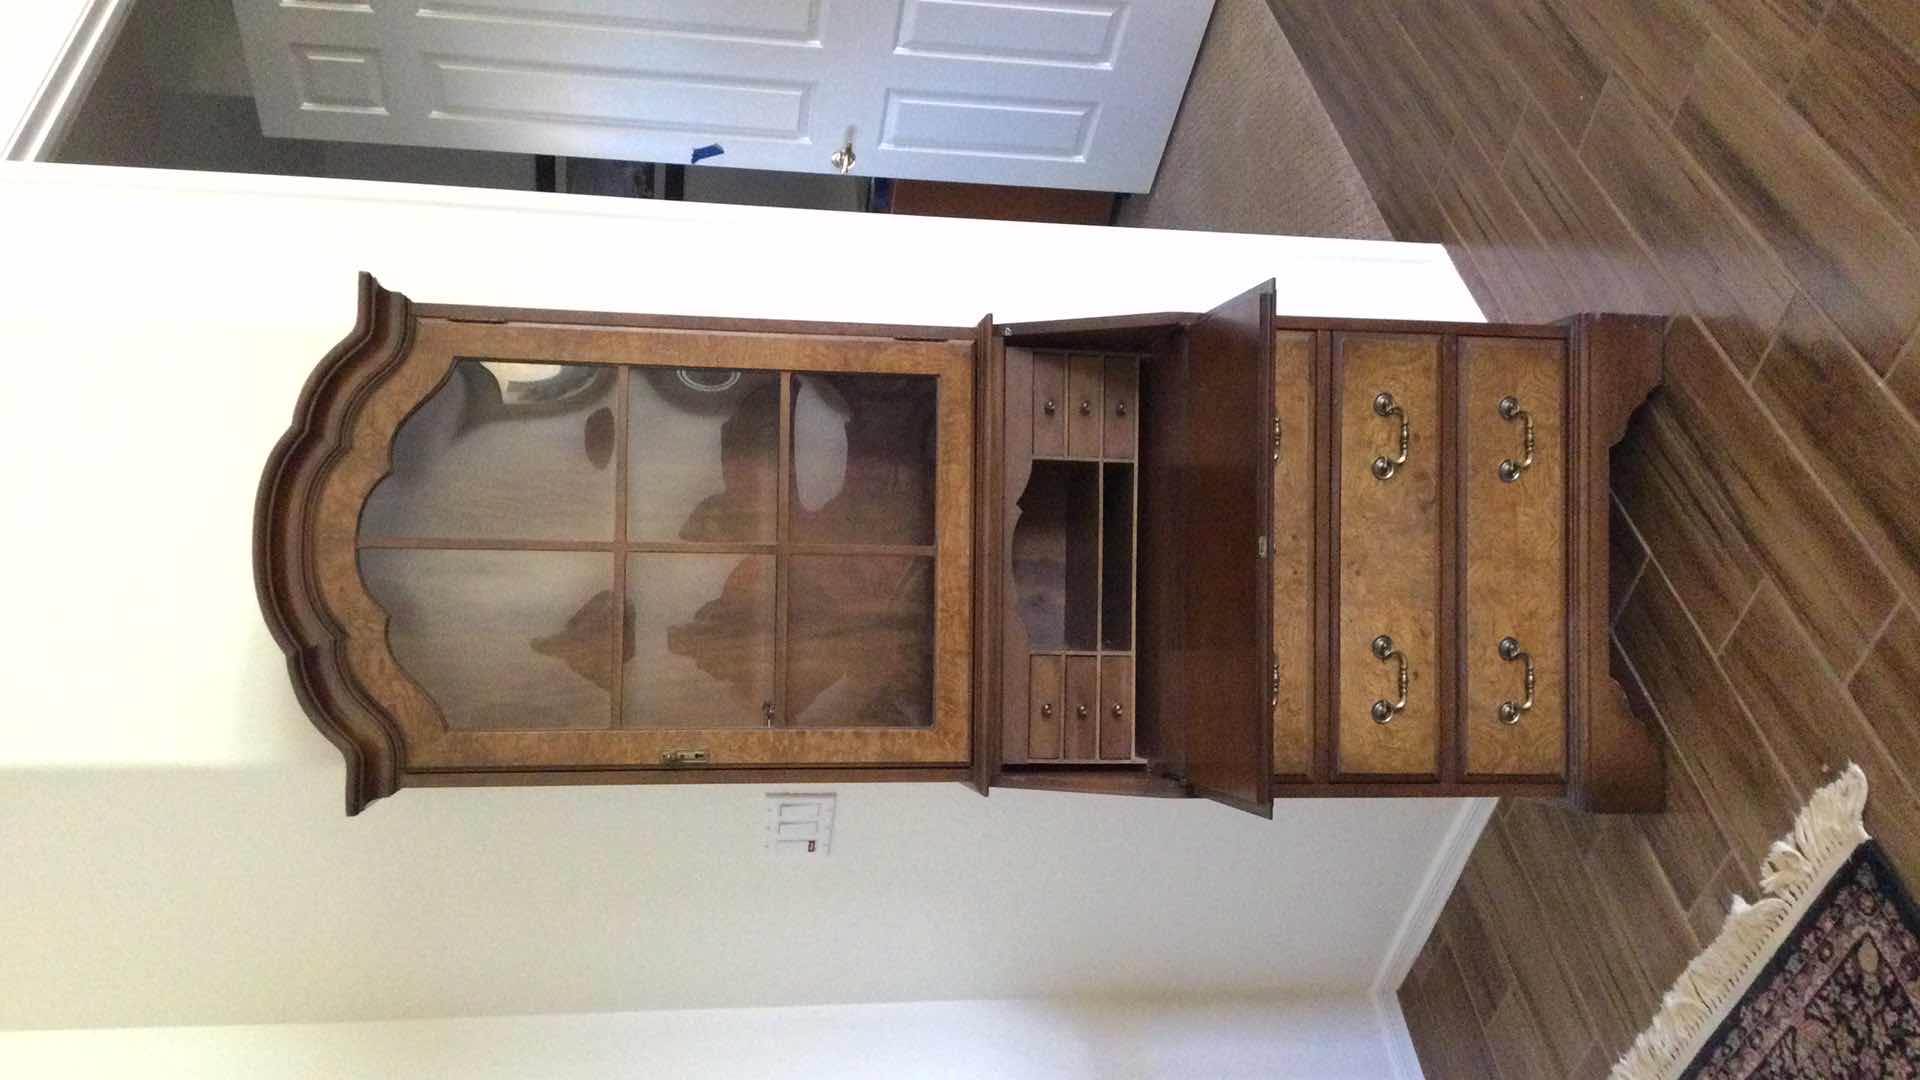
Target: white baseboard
(1443, 871)
(69, 77)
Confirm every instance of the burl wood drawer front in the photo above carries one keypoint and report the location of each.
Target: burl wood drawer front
(1515, 549)
(1387, 482)
(1044, 703)
(1086, 415)
(1294, 513)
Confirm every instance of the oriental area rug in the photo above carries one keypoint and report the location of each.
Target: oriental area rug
(1817, 978)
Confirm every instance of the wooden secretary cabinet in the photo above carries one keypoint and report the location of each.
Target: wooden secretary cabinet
(1232, 554)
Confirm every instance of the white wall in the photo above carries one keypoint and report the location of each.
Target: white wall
(1220, 1039)
(173, 850)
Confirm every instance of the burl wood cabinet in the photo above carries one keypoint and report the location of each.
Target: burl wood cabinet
(1231, 555)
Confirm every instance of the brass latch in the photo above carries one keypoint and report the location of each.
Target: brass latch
(683, 757)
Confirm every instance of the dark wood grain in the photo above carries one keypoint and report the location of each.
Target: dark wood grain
(1772, 36)
(1437, 1012)
(1883, 687)
(1482, 95)
(1846, 248)
(1651, 43)
(1861, 93)
(1628, 877)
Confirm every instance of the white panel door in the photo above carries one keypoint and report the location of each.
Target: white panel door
(1056, 93)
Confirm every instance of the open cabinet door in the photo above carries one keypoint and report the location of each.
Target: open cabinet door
(1204, 572)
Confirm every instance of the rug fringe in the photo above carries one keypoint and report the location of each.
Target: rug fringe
(1796, 869)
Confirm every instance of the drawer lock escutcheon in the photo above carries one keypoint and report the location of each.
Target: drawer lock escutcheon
(1383, 710)
(1510, 469)
(1511, 711)
(1384, 406)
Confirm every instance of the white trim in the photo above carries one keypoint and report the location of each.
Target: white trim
(68, 79)
(1416, 925)
(1401, 1057)
(1431, 895)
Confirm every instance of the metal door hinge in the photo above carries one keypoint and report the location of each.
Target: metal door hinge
(1263, 547)
(1276, 438)
(1273, 685)
(683, 757)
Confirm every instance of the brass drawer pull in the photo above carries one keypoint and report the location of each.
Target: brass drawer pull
(1510, 469)
(1117, 711)
(1511, 712)
(1049, 408)
(1081, 712)
(1383, 710)
(1047, 709)
(1086, 408)
(1383, 466)
(1120, 409)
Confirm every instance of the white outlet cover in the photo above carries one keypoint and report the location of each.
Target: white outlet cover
(798, 825)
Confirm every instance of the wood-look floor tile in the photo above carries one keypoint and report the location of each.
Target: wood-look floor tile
(1731, 281)
(1473, 83)
(1861, 92)
(1770, 35)
(1613, 990)
(1383, 78)
(1646, 912)
(1685, 838)
(1564, 76)
(1886, 686)
(1784, 515)
(1899, 19)
(1737, 774)
(1859, 441)
(1843, 244)
(1498, 237)
(1597, 1065)
(1514, 1039)
(1709, 910)
(1652, 42)
(1482, 957)
(1445, 1034)
(1812, 724)
(1626, 555)
(1665, 478)
(1591, 245)
(1506, 901)
(1904, 380)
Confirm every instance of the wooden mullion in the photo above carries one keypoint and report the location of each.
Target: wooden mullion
(463, 543)
(782, 558)
(623, 396)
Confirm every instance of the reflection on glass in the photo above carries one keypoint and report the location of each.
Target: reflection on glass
(701, 641)
(504, 451)
(502, 639)
(863, 458)
(703, 458)
(859, 641)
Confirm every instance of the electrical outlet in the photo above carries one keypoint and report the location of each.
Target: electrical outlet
(798, 824)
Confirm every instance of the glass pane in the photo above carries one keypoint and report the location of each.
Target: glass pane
(504, 451)
(859, 641)
(703, 463)
(701, 645)
(502, 639)
(863, 458)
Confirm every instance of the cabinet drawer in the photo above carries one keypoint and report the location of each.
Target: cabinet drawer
(1514, 525)
(1119, 384)
(1116, 708)
(1049, 404)
(1044, 701)
(1082, 698)
(1086, 417)
(1388, 553)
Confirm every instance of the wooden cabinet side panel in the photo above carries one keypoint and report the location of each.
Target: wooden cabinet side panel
(1295, 513)
(1024, 374)
(1515, 566)
(1388, 554)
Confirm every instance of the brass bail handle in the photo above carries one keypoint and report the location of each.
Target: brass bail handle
(1383, 710)
(1511, 712)
(1510, 469)
(1384, 406)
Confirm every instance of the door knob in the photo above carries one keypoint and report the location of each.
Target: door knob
(843, 158)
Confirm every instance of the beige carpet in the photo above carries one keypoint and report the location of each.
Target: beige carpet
(1253, 150)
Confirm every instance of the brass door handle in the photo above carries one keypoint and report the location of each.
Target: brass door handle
(843, 158)
(1383, 710)
(1510, 469)
(1384, 406)
(1511, 712)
